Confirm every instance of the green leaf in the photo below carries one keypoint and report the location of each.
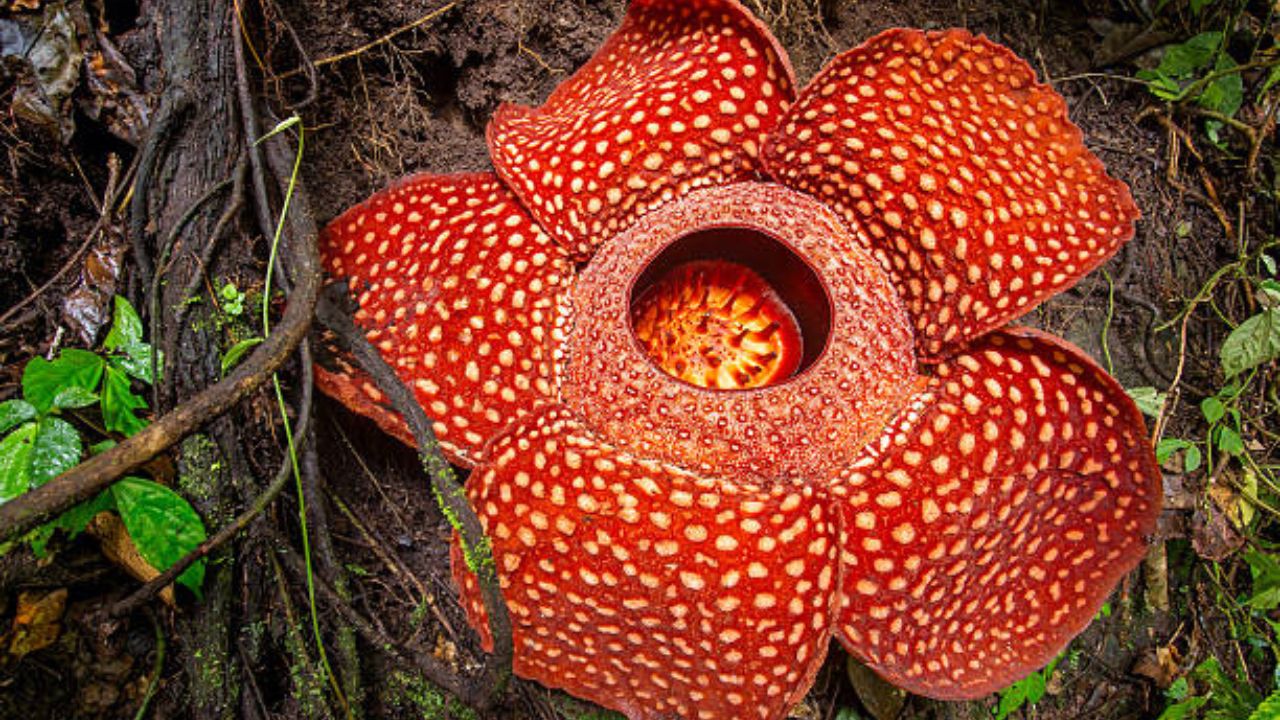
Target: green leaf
(119, 402)
(1198, 5)
(1265, 570)
(1269, 709)
(1183, 60)
(1150, 401)
(1168, 446)
(1212, 409)
(237, 351)
(1161, 85)
(1269, 292)
(56, 450)
(74, 396)
(1229, 441)
(126, 326)
(126, 337)
(1254, 342)
(42, 379)
(15, 461)
(1232, 697)
(162, 524)
(1192, 459)
(137, 362)
(14, 413)
(1186, 708)
(1012, 698)
(72, 522)
(1224, 95)
(34, 453)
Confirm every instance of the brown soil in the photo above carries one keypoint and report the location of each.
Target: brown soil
(419, 103)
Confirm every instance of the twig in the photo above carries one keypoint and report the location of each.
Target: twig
(252, 131)
(308, 67)
(329, 60)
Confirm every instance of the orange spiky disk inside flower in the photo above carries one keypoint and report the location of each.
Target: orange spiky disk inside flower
(717, 324)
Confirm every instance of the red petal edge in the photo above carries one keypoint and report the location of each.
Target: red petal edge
(960, 172)
(681, 96)
(647, 589)
(460, 291)
(989, 523)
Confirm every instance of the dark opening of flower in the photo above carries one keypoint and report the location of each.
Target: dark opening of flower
(765, 413)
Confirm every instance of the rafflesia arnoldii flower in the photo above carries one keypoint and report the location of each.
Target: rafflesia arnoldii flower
(732, 369)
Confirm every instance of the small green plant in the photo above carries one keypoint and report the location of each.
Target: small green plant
(232, 303)
(1199, 70)
(40, 443)
(1027, 691)
(1223, 697)
(232, 300)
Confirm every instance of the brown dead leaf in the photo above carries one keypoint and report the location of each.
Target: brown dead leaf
(87, 307)
(1228, 502)
(36, 625)
(1212, 536)
(119, 549)
(1161, 664)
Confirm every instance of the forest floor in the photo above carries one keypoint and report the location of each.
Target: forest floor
(403, 86)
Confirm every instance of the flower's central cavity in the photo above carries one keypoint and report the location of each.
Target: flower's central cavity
(730, 309)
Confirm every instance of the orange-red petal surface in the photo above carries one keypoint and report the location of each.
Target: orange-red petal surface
(647, 589)
(681, 96)
(961, 172)
(459, 289)
(987, 526)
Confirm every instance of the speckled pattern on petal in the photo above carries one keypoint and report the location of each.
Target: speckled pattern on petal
(799, 429)
(681, 96)
(459, 290)
(647, 589)
(961, 173)
(989, 523)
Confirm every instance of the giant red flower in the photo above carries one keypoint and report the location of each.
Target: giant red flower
(732, 370)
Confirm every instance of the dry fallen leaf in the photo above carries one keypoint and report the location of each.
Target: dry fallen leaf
(36, 625)
(1160, 664)
(119, 549)
(1212, 536)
